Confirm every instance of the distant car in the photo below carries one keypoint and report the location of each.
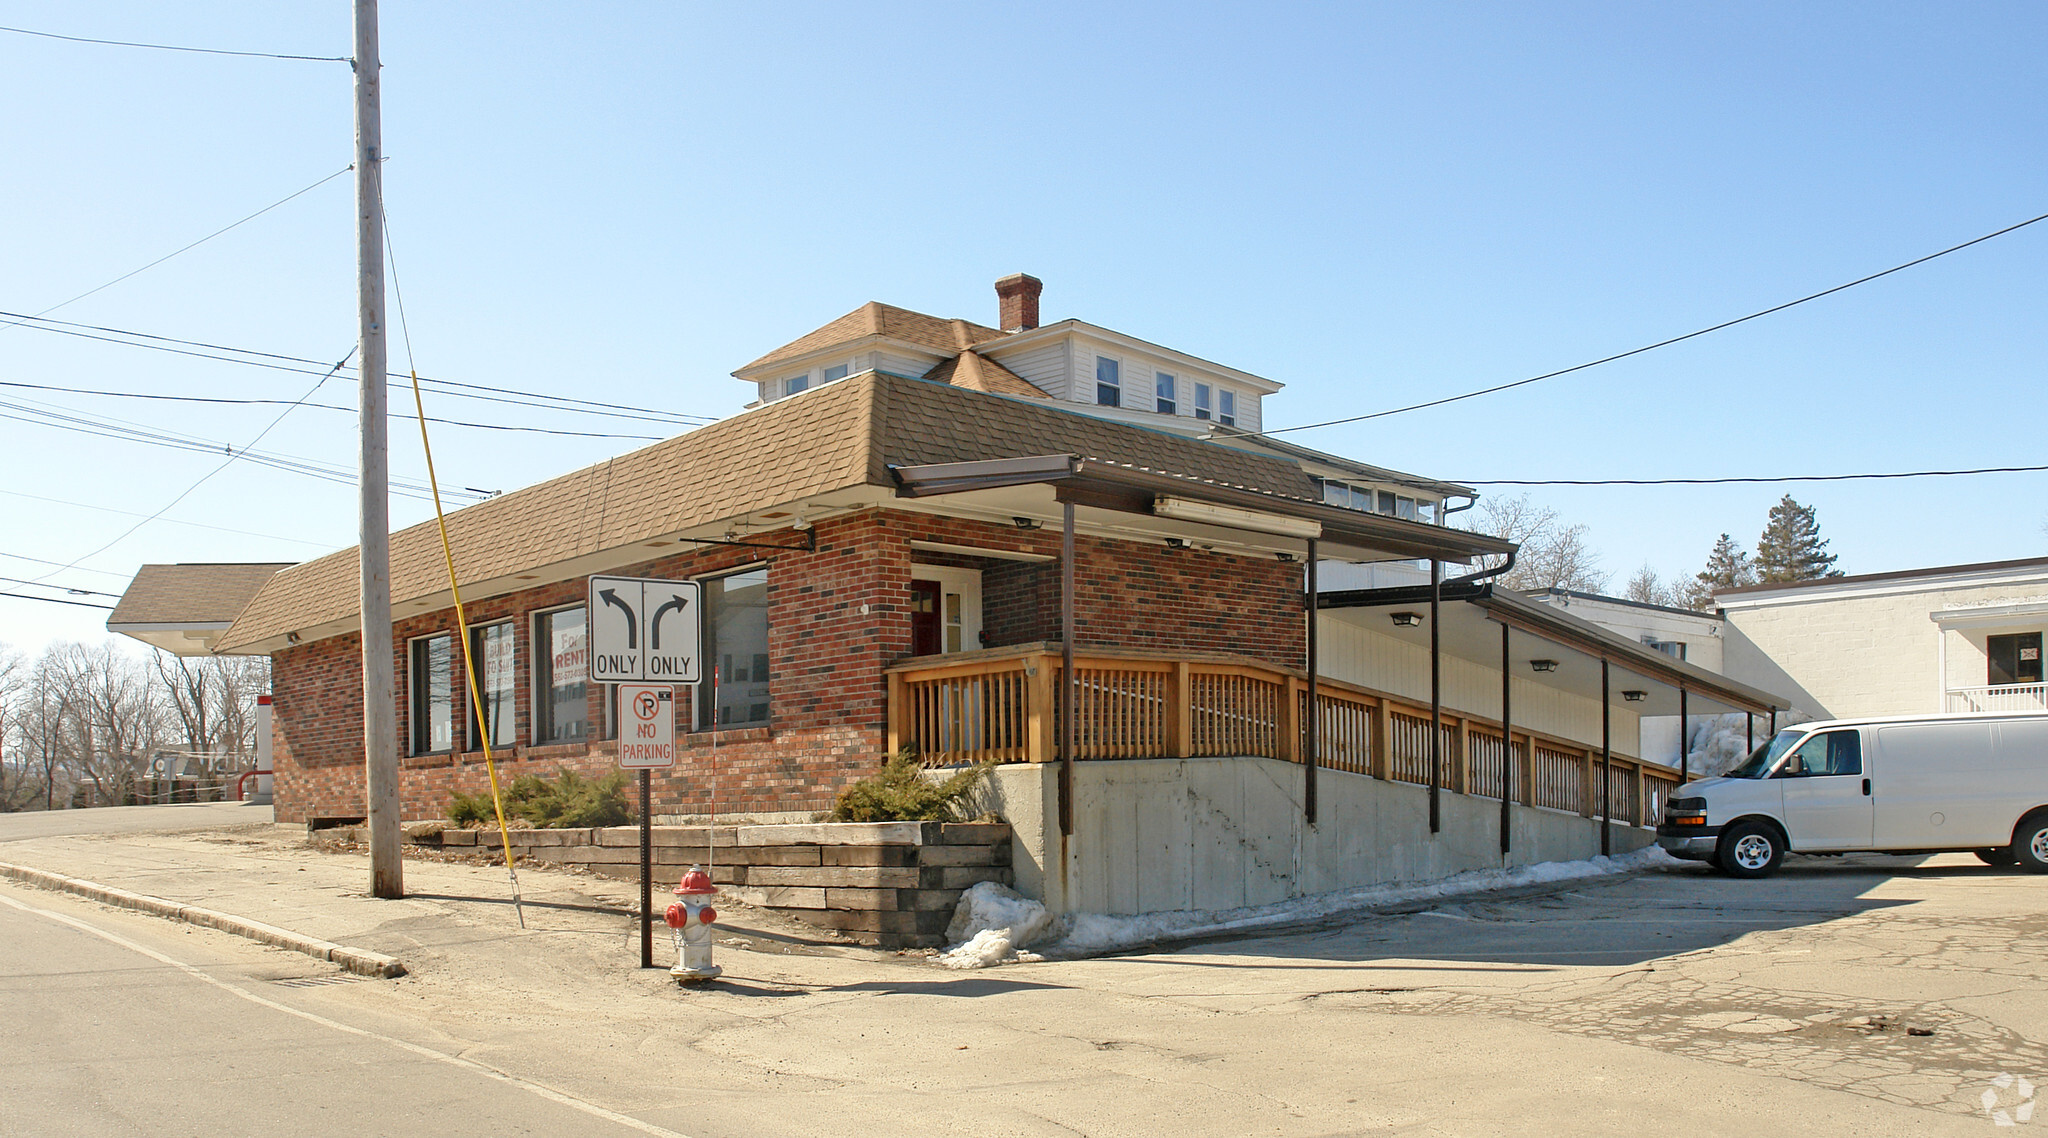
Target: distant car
(1910, 784)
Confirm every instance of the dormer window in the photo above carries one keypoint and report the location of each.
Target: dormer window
(1109, 384)
(1226, 407)
(834, 374)
(1166, 385)
(1201, 401)
(796, 383)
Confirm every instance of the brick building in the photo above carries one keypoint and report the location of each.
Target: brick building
(824, 565)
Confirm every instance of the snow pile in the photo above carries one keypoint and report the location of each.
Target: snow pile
(990, 918)
(991, 926)
(1718, 742)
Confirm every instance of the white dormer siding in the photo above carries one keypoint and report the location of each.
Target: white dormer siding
(1079, 364)
(797, 379)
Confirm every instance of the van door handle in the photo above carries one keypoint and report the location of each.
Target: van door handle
(1866, 788)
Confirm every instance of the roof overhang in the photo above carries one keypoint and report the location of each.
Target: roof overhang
(179, 638)
(1474, 613)
(1346, 535)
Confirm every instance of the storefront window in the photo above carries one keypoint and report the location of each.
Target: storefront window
(490, 650)
(433, 694)
(561, 667)
(736, 645)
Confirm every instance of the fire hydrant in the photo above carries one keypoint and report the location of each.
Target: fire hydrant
(692, 917)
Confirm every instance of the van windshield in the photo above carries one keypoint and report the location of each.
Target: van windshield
(1761, 760)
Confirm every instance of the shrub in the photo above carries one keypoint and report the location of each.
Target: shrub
(901, 793)
(570, 801)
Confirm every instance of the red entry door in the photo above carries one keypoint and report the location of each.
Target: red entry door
(924, 618)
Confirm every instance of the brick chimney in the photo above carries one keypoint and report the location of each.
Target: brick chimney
(1017, 296)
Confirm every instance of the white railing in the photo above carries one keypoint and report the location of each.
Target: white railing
(2003, 697)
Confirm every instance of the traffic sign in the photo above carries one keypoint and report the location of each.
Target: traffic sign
(644, 629)
(647, 726)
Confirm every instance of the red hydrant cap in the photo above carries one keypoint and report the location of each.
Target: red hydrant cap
(695, 881)
(676, 916)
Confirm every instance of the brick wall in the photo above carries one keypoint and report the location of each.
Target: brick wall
(836, 617)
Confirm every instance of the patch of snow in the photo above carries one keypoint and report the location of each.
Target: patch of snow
(994, 924)
(1718, 743)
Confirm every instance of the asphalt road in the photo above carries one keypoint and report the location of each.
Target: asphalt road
(130, 820)
(122, 1024)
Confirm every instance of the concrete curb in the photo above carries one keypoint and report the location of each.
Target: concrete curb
(362, 962)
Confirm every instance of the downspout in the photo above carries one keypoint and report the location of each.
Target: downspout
(1312, 737)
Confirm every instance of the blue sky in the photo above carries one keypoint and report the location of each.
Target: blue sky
(1374, 204)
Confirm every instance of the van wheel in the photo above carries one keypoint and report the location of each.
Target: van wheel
(1752, 849)
(2030, 843)
(2003, 855)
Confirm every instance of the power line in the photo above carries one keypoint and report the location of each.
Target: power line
(202, 480)
(81, 568)
(306, 366)
(1729, 481)
(192, 246)
(176, 47)
(173, 521)
(1663, 343)
(66, 588)
(58, 600)
(317, 407)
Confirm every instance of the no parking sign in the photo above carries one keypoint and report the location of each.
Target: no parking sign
(647, 726)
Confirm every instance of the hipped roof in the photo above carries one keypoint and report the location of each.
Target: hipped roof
(841, 436)
(942, 337)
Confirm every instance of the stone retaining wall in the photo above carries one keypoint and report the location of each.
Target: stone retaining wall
(893, 884)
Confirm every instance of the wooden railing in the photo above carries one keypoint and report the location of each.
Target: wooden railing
(1000, 705)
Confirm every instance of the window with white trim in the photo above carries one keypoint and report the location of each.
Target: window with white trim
(491, 714)
(1226, 407)
(1166, 387)
(736, 646)
(1201, 401)
(1109, 383)
(796, 383)
(834, 374)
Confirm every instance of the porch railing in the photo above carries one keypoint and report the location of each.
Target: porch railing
(1000, 705)
(2001, 697)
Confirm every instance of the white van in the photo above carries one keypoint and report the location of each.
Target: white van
(1910, 784)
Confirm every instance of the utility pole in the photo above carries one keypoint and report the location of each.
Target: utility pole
(380, 716)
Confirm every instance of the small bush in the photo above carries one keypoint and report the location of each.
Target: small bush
(570, 801)
(901, 793)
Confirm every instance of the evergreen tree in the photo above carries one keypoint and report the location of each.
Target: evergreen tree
(1728, 567)
(1791, 548)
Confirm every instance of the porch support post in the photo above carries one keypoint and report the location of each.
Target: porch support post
(1748, 732)
(1311, 739)
(1774, 723)
(1941, 669)
(1436, 696)
(1068, 685)
(1507, 741)
(1606, 761)
(1684, 741)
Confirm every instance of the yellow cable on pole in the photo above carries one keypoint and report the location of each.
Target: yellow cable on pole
(476, 702)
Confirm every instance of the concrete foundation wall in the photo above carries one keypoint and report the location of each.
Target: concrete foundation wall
(1159, 835)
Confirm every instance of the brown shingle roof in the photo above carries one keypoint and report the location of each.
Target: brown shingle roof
(977, 372)
(841, 436)
(192, 595)
(874, 318)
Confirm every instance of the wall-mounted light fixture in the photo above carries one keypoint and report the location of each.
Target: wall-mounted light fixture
(1544, 665)
(291, 638)
(1176, 543)
(1026, 523)
(1284, 556)
(1405, 619)
(800, 525)
(1634, 696)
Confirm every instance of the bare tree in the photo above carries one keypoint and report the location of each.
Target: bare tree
(214, 698)
(18, 784)
(1552, 555)
(111, 714)
(1646, 587)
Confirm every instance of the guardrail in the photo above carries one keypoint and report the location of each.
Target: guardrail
(1000, 705)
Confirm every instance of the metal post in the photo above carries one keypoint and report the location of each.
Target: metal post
(380, 713)
(1684, 740)
(1507, 741)
(646, 874)
(1606, 760)
(1436, 696)
(1313, 738)
(1748, 732)
(1774, 723)
(1069, 684)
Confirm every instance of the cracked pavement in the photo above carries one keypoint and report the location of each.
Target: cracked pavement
(1859, 995)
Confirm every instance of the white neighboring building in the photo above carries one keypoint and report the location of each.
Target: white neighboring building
(1947, 639)
(1681, 634)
